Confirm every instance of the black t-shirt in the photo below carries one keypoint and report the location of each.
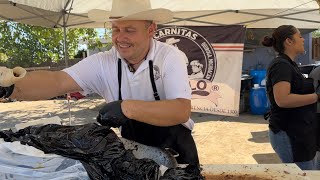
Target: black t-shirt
(299, 122)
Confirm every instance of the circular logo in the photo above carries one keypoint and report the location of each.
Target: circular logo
(202, 63)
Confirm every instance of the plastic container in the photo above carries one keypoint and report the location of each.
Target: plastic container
(258, 76)
(259, 103)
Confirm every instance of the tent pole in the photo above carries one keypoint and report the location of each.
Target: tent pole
(65, 41)
(66, 60)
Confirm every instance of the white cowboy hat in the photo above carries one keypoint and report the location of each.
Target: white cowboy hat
(131, 10)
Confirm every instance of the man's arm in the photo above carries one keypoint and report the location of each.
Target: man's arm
(176, 109)
(158, 113)
(172, 111)
(38, 85)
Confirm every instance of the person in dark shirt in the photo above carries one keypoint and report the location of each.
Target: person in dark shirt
(292, 129)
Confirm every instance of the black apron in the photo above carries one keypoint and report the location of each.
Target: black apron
(299, 123)
(177, 138)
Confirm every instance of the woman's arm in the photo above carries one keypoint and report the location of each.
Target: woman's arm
(285, 99)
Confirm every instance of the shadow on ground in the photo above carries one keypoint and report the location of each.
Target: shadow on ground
(268, 158)
(260, 137)
(243, 118)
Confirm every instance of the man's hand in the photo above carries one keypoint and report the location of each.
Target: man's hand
(112, 115)
(8, 77)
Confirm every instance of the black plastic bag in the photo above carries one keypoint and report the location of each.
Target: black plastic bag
(190, 172)
(97, 147)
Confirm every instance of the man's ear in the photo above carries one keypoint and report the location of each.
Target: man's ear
(152, 29)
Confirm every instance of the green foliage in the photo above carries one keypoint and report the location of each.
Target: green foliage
(96, 43)
(26, 45)
(3, 57)
(316, 34)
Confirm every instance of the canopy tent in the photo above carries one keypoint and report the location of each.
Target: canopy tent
(52, 14)
(61, 17)
(303, 14)
(252, 13)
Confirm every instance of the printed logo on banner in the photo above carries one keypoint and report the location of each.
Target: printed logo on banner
(203, 62)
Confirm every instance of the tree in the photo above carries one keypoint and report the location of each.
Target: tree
(26, 45)
(97, 44)
(316, 34)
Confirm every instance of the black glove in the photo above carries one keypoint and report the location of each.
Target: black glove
(5, 92)
(111, 115)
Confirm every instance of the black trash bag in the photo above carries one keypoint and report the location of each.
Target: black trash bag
(129, 168)
(97, 147)
(190, 172)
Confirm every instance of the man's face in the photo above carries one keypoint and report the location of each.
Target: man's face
(195, 68)
(132, 38)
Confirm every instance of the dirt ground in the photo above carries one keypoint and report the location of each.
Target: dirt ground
(219, 139)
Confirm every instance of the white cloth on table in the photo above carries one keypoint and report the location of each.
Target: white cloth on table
(23, 162)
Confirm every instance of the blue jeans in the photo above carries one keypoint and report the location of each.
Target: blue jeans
(281, 144)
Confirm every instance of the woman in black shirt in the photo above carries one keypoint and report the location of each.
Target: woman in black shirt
(292, 129)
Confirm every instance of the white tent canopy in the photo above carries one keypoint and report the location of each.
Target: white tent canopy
(27, 13)
(304, 14)
(252, 13)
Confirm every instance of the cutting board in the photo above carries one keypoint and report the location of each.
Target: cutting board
(272, 171)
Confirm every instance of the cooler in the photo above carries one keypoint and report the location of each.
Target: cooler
(259, 76)
(259, 103)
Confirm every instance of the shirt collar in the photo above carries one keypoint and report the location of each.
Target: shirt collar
(287, 58)
(150, 56)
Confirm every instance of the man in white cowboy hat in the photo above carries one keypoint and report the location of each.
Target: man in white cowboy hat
(152, 111)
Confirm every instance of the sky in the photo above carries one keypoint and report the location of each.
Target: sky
(101, 31)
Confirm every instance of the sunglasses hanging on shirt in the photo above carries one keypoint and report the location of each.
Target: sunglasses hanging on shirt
(131, 69)
(130, 65)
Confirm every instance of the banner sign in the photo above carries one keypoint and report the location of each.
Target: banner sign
(214, 64)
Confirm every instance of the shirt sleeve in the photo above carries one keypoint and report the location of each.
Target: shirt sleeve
(175, 76)
(86, 73)
(281, 71)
